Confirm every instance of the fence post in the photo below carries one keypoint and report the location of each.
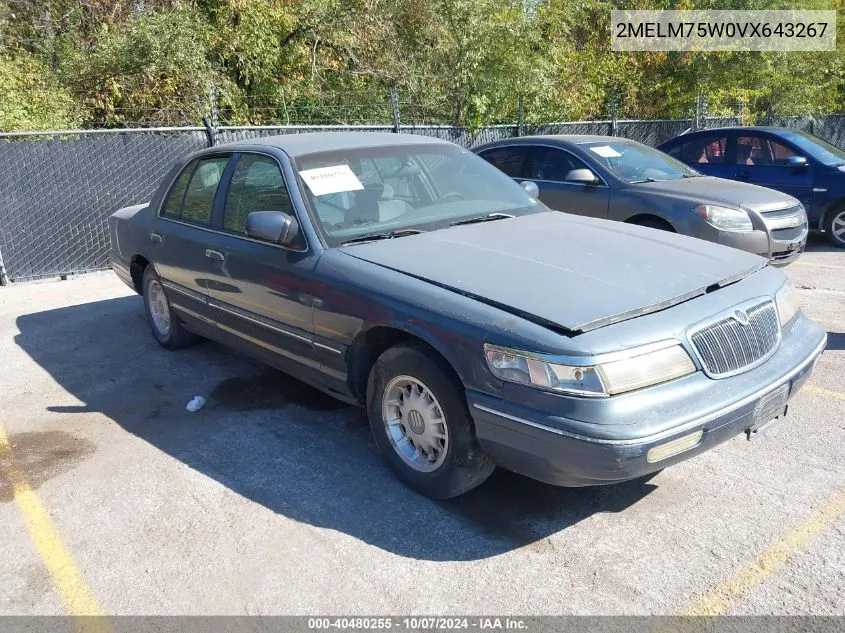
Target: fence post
(211, 125)
(614, 116)
(699, 110)
(394, 106)
(520, 117)
(4, 280)
(210, 132)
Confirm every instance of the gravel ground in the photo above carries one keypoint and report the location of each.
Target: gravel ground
(272, 499)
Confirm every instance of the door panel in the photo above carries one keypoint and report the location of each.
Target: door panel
(179, 234)
(548, 167)
(760, 161)
(262, 292)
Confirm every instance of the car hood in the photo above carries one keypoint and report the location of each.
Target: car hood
(564, 271)
(712, 190)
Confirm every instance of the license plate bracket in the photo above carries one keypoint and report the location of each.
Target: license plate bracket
(769, 410)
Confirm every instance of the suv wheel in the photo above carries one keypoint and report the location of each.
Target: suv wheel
(421, 425)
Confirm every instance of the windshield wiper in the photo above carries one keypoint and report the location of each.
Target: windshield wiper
(483, 218)
(389, 235)
(636, 182)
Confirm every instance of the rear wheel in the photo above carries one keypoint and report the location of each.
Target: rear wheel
(835, 226)
(165, 325)
(421, 425)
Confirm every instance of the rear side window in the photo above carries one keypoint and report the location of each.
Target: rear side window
(710, 149)
(507, 159)
(257, 185)
(173, 207)
(191, 197)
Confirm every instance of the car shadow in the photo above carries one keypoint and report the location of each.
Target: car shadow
(819, 243)
(284, 445)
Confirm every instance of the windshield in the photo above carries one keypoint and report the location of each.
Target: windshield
(821, 150)
(365, 191)
(633, 162)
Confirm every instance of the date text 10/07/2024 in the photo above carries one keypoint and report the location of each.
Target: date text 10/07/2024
(482, 623)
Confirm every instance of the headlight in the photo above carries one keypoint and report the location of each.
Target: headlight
(724, 218)
(787, 302)
(635, 371)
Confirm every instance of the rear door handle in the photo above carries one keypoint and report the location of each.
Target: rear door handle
(215, 255)
(743, 175)
(156, 238)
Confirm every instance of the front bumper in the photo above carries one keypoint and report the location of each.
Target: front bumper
(761, 242)
(561, 451)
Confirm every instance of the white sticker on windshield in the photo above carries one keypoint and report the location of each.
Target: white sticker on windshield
(606, 151)
(325, 180)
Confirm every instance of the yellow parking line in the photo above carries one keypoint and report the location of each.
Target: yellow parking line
(718, 601)
(68, 581)
(838, 395)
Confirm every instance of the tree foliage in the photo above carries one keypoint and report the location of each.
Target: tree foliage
(163, 62)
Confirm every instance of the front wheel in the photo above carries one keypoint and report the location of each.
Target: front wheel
(835, 226)
(421, 425)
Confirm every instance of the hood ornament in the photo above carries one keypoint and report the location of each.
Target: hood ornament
(741, 317)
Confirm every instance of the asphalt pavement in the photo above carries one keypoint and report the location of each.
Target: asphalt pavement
(272, 500)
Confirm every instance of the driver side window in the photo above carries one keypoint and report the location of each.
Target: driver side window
(257, 185)
(761, 152)
(548, 163)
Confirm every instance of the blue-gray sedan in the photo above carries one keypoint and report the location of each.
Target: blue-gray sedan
(406, 275)
(620, 179)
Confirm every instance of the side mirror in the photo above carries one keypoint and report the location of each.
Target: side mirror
(584, 176)
(796, 162)
(531, 188)
(272, 226)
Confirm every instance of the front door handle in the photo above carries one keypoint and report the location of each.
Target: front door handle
(155, 238)
(215, 255)
(743, 175)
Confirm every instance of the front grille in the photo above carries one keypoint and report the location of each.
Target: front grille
(782, 213)
(790, 234)
(727, 347)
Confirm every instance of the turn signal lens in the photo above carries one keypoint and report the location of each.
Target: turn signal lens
(647, 369)
(669, 449)
(787, 302)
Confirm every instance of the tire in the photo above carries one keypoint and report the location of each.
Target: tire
(835, 221)
(447, 466)
(158, 310)
(653, 223)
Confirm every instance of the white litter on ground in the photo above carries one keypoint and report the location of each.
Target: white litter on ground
(195, 404)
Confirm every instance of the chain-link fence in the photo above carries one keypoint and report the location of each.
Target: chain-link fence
(57, 192)
(57, 189)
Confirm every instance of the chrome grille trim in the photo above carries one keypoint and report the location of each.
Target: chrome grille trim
(791, 234)
(782, 213)
(726, 348)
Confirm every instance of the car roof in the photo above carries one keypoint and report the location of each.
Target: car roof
(560, 140)
(733, 129)
(563, 139)
(298, 144)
